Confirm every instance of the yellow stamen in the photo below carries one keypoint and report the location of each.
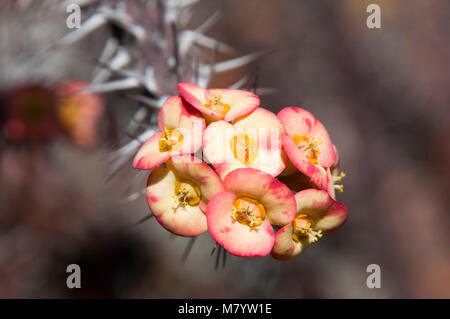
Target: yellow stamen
(339, 188)
(249, 212)
(171, 140)
(186, 193)
(304, 228)
(215, 103)
(245, 148)
(340, 177)
(309, 146)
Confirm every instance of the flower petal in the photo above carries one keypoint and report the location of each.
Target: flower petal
(285, 247)
(192, 93)
(149, 156)
(299, 122)
(337, 162)
(335, 218)
(183, 221)
(331, 184)
(263, 126)
(177, 114)
(218, 150)
(225, 168)
(217, 147)
(170, 113)
(314, 200)
(196, 96)
(270, 161)
(317, 174)
(327, 213)
(193, 168)
(260, 118)
(240, 102)
(236, 238)
(276, 197)
(216, 142)
(332, 173)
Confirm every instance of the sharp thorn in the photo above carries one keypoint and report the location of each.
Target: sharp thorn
(224, 258)
(214, 249)
(219, 250)
(143, 219)
(188, 249)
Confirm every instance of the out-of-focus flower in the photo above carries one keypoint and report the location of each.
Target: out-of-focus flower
(240, 218)
(307, 144)
(253, 140)
(181, 128)
(317, 214)
(79, 112)
(218, 104)
(178, 195)
(29, 113)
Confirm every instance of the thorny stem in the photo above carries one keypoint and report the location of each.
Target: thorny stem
(131, 78)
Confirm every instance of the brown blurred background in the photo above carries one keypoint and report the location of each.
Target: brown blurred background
(384, 96)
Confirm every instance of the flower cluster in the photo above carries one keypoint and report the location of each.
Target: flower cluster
(241, 187)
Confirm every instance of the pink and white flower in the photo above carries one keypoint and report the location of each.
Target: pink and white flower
(181, 128)
(253, 140)
(241, 218)
(307, 144)
(178, 195)
(317, 214)
(218, 104)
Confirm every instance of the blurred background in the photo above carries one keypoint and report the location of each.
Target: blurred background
(383, 95)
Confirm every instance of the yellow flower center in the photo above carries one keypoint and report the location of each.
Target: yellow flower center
(304, 228)
(171, 140)
(186, 193)
(309, 146)
(68, 113)
(245, 148)
(215, 103)
(248, 211)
